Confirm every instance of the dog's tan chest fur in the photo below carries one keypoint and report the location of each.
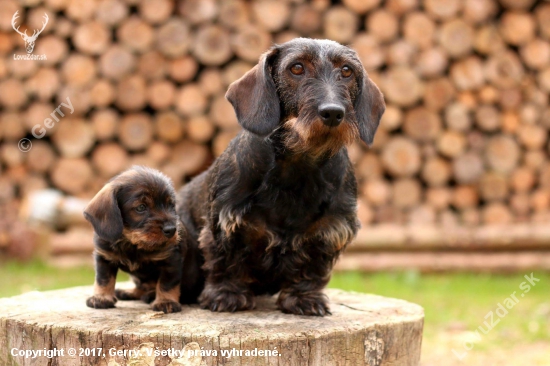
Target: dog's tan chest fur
(334, 230)
(133, 265)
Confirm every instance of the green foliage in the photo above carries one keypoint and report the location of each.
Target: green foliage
(457, 303)
(37, 276)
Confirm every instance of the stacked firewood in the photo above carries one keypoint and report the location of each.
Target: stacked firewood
(467, 84)
(464, 139)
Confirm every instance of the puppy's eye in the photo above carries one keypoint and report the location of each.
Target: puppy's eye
(297, 69)
(346, 71)
(141, 208)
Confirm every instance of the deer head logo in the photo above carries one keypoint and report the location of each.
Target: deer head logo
(29, 41)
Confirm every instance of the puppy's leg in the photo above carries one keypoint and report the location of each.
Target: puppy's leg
(149, 296)
(168, 287)
(142, 291)
(193, 277)
(302, 293)
(133, 294)
(104, 287)
(226, 288)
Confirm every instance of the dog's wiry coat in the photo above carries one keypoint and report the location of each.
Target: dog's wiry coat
(275, 210)
(137, 231)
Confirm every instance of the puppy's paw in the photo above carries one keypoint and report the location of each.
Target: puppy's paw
(167, 307)
(101, 302)
(148, 297)
(126, 294)
(226, 300)
(314, 304)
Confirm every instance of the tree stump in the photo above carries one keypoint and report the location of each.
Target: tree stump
(363, 330)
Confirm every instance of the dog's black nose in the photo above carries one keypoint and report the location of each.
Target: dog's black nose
(331, 114)
(169, 230)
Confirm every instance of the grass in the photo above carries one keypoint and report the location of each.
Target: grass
(464, 298)
(37, 276)
(455, 305)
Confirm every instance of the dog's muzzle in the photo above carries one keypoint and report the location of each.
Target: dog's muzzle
(169, 230)
(331, 114)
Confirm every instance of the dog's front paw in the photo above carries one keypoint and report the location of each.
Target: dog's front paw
(314, 304)
(226, 300)
(167, 307)
(101, 302)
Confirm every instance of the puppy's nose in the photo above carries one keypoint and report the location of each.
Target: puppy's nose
(331, 114)
(169, 230)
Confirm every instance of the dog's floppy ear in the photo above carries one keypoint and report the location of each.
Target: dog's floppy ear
(369, 107)
(104, 214)
(254, 97)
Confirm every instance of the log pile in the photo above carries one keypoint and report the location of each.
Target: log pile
(463, 141)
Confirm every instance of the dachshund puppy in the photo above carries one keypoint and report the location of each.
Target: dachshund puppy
(275, 210)
(137, 230)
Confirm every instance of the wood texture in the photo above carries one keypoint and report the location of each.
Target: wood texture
(363, 330)
(466, 84)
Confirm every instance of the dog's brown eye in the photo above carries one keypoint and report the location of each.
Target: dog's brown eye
(346, 71)
(141, 208)
(297, 69)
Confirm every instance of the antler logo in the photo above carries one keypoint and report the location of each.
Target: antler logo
(29, 41)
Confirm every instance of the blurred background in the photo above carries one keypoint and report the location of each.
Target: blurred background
(454, 193)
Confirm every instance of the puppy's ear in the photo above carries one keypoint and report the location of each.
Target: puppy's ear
(369, 107)
(104, 214)
(254, 97)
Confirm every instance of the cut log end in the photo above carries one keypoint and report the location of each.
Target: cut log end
(363, 330)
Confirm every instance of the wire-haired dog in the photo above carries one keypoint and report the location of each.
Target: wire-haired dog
(137, 230)
(279, 205)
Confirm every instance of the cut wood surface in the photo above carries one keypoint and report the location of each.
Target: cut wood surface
(340, 24)
(508, 262)
(466, 85)
(212, 46)
(363, 330)
(401, 157)
(432, 237)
